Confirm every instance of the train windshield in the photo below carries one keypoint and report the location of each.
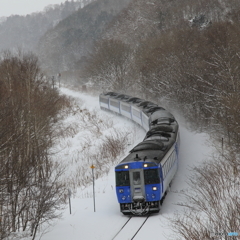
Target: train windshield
(136, 178)
(122, 178)
(151, 176)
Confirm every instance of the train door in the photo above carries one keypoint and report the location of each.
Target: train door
(137, 185)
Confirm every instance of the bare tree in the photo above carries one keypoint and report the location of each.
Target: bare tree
(212, 204)
(110, 65)
(29, 109)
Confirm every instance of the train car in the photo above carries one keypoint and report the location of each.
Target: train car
(144, 176)
(104, 100)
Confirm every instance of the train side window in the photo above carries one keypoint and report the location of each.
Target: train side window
(126, 108)
(171, 161)
(136, 113)
(104, 100)
(163, 171)
(115, 104)
(145, 119)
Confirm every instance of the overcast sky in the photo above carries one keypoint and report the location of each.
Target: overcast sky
(24, 7)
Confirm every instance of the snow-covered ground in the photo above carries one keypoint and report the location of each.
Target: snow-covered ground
(85, 224)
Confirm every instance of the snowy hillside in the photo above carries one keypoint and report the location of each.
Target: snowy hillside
(84, 223)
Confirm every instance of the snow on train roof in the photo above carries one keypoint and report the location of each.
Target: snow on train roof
(109, 94)
(147, 105)
(164, 136)
(153, 109)
(161, 114)
(149, 145)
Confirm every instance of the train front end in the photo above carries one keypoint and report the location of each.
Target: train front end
(138, 187)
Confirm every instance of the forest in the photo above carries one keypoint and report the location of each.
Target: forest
(30, 112)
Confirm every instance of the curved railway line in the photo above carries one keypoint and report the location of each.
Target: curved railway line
(131, 228)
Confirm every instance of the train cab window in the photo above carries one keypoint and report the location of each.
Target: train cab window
(136, 178)
(151, 176)
(122, 178)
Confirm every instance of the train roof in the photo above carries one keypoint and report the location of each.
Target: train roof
(164, 128)
(135, 100)
(123, 97)
(112, 94)
(147, 105)
(153, 109)
(149, 150)
(156, 143)
(151, 145)
(160, 114)
(165, 136)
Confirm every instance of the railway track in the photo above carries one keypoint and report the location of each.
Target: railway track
(131, 228)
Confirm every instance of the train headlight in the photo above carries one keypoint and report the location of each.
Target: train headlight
(120, 190)
(154, 188)
(145, 165)
(126, 166)
(123, 198)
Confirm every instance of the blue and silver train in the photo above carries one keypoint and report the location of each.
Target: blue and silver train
(145, 175)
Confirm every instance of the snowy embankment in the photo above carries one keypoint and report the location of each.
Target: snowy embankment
(84, 223)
